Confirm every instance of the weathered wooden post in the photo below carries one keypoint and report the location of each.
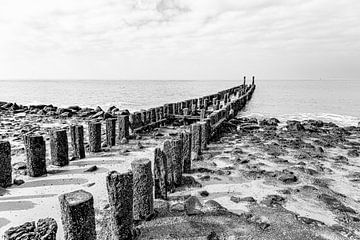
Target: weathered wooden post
(95, 136)
(186, 151)
(168, 150)
(111, 131)
(205, 133)
(120, 192)
(153, 115)
(160, 174)
(185, 111)
(5, 164)
(77, 141)
(143, 189)
(143, 117)
(59, 148)
(244, 81)
(123, 127)
(195, 141)
(177, 161)
(35, 155)
(202, 114)
(253, 80)
(206, 103)
(78, 215)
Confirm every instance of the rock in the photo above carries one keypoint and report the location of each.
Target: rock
(193, 206)
(205, 178)
(44, 230)
(124, 141)
(293, 125)
(19, 166)
(287, 178)
(244, 199)
(335, 204)
(139, 145)
(204, 193)
(269, 122)
(177, 207)
(353, 153)
(66, 114)
(212, 206)
(91, 169)
(75, 108)
(273, 200)
(213, 236)
(18, 182)
(98, 109)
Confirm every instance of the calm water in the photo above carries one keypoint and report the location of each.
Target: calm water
(337, 101)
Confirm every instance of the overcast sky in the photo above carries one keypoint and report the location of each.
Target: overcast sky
(179, 39)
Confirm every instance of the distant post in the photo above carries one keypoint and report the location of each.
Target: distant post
(123, 127)
(160, 174)
(95, 136)
(59, 148)
(253, 80)
(77, 141)
(111, 131)
(195, 141)
(35, 155)
(186, 151)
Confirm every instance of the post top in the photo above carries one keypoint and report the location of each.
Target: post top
(141, 161)
(76, 197)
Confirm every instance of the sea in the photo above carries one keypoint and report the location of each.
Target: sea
(337, 101)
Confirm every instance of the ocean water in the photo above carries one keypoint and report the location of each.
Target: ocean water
(336, 101)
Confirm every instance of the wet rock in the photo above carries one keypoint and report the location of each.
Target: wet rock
(287, 178)
(19, 166)
(310, 221)
(273, 200)
(293, 125)
(177, 207)
(204, 193)
(269, 122)
(244, 199)
(193, 206)
(212, 206)
(91, 169)
(205, 178)
(335, 204)
(45, 229)
(353, 153)
(18, 182)
(190, 181)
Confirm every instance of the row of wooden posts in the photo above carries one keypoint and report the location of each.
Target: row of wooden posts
(131, 194)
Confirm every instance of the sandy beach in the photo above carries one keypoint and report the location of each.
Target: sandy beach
(276, 180)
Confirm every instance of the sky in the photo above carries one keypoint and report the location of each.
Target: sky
(179, 39)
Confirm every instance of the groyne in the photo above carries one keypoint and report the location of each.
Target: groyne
(202, 118)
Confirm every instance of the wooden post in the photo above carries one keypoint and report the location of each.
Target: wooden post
(153, 115)
(253, 80)
(78, 215)
(59, 148)
(35, 155)
(202, 114)
(167, 148)
(177, 161)
(195, 141)
(5, 164)
(95, 136)
(186, 151)
(111, 131)
(206, 103)
(77, 141)
(205, 133)
(185, 111)
(160, 174)
(123, 127)
(244, 81)
(120, 191)
(143, 189)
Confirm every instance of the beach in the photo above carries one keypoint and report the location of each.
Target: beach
(276, 179)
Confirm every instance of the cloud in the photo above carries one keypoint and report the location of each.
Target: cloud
(178, 29)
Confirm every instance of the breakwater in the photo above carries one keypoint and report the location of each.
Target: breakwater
(202, 117)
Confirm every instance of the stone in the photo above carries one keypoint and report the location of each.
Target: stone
(91, 169)
(44, 230)
(18, 182)
(193, 206)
